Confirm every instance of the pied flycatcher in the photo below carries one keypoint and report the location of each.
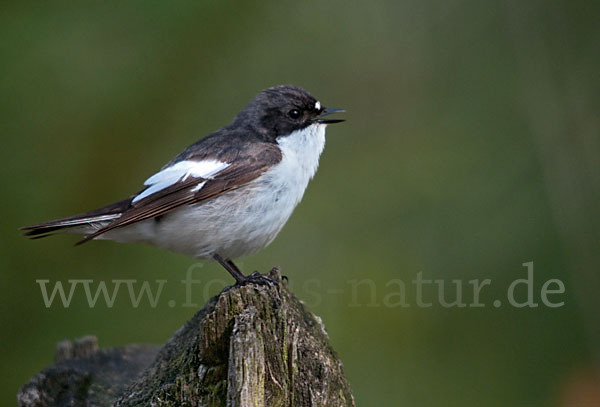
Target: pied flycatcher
(226, 196)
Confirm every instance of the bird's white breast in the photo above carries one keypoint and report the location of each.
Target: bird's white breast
(301, 151)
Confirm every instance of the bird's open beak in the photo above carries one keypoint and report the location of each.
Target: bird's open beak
(327, 111)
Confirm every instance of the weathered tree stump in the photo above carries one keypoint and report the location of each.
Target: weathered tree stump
(252, 345)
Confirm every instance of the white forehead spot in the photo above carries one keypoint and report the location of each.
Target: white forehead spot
(318, 105)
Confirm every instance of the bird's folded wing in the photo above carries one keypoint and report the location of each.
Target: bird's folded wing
(189, 182)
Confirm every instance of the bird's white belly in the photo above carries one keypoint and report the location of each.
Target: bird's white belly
(242, 221)
(233, 225)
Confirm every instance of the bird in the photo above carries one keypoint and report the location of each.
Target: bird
(225, 196)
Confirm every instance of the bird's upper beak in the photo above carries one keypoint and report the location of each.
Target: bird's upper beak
(327, 111)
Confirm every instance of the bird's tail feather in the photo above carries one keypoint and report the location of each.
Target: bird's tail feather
(83, 223)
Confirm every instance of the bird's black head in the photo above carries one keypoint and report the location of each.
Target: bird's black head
(280, 110)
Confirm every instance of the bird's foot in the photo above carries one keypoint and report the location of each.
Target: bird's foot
(259, 279)
(273, 277)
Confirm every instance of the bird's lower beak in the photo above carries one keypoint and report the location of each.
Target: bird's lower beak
(327, 111)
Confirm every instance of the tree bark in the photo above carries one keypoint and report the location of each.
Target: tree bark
(253, 345)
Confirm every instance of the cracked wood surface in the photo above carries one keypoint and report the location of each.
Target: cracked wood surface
(252, 345)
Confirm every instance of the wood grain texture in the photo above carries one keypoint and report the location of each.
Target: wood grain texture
(252, 345)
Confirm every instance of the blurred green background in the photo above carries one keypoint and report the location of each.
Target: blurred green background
(471, 147)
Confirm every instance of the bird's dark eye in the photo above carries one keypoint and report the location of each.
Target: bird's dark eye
(294, 113)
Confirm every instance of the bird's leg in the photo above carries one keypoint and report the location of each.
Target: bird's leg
(231, 268)
(232, 265)
(240, 278)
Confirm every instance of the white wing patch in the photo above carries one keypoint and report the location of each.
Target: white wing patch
(198, 187)
(180, 172)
